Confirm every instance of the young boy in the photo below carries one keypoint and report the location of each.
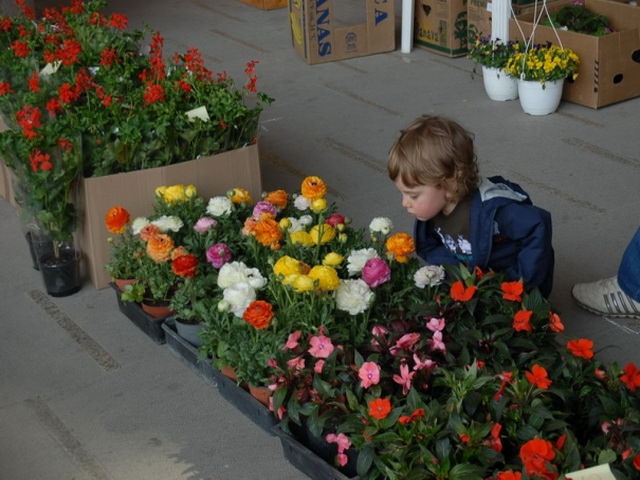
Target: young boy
(489, 223)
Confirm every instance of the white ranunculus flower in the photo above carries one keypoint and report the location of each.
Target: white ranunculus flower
(301, 203)
(230, 273)
(306, 220)
(219, 206)
(295, 225)
(357, 259)
(431, 275)
(138, 224)
(168, 223)
(381, 225)
(239, 296)
(255, 278)
(353, 296)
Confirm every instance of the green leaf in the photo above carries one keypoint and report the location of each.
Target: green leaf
(365, 459)
(607, 456)
(466, 471)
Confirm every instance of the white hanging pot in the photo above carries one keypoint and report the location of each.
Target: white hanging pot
(538, 98)
(498, 85)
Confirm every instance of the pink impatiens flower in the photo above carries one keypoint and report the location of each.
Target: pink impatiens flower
(405, 342)
(436, 324)
(343, 445)
(292, 340)
(405, 378)
(296, 363)
(378, 331)
(321, 346)
(427, 364)
(369, 374)
(436, 342)
(319, 365)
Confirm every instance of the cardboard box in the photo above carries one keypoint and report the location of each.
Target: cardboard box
(609, 65)
(266, 4)
(212, 175)
(317, 36)
(441, 26)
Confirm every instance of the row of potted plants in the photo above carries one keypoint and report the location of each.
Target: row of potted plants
(406, 371)
(85, 97)
(533, 73)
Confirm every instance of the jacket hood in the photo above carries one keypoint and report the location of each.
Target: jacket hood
(499, 188)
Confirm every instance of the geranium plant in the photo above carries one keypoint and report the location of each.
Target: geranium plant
(543, 63)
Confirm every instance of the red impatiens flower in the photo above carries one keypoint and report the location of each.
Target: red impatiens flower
(416, 414)
(464, 438)
(522, 321)
(636, 462)
(631, 377)
(509, 475)
(118, 20)
(555, 323)
(153, 93)
(380, 408)
(581, 347)
(505, 378)
(538, 377)
(512, 291)
(536, 455)
(460, 293)
(494, 442)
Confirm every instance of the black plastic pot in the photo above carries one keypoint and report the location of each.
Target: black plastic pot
(61, 274)
(39, 246)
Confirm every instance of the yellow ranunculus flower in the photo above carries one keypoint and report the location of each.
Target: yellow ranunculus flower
(321, 234)
(240, 195)
(174, 194)
(327, 277)
(342, 237)
(160, 191)
(301, 238)
(319, 205)
(332, 259)
(286, 266)
(300, 283)
(285, 224)
(190, 191)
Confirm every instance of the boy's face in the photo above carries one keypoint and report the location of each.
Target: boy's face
(424, 201)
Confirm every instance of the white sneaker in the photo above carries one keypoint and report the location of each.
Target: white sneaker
(605, 297)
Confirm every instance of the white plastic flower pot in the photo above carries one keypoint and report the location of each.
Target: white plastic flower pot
(498, 85)
(540, 99)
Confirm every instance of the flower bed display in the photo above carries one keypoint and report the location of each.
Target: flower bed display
(422, 371)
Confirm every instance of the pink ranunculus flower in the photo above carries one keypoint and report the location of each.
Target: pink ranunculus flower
(436, 324)
(376, 272)
(219, 254)
(264, 207)
(405, 342)
(369, 374)
(335, 219)
(321, 346)
(204, 224)
(318, 366)
(292, 340)
(378, 331)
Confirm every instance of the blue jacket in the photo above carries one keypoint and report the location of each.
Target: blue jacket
(508, 234)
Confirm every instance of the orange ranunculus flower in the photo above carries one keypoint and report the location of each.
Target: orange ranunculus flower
(240, 195)
(278, 198)
(555, 323)
(148, 231)
(259, 314)
(185, 265)
(535, 455)
(159, 248)
(538, 377)
(460, 293)
(380, 408)
(178, 252)
(117, 219)
(249, 225)
(400, 245)
(512, 290)
(581, 347)
(522, 321)
(267, 232)
(509, 475)
(313, 188)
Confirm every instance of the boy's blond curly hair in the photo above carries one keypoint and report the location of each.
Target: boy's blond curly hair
(435, 151)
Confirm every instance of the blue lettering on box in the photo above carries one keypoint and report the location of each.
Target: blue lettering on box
(324, 34)
(381, 15)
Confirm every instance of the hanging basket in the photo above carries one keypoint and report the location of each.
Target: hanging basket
(538, 98)
(498, 85)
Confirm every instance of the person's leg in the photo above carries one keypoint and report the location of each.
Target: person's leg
(617, 296)
(629, 271)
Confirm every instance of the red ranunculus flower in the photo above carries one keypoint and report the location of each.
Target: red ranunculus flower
(116, 219)
(185, 265)
(259, 314)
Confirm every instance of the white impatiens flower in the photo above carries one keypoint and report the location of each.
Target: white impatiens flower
(138, 224)
(431, 275)
(353, 296)
(301, 203)
(219, 206)
(357, 259)
(239, 296)
(237, 272)
(168, 223)
(381, 225)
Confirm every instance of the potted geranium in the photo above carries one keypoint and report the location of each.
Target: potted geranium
(493, 55)
(541, 70)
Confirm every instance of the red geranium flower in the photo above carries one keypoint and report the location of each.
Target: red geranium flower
(5, 88)
(581, 347)
(67, 93)
(522, 321)
(69, 51)
(119, 21)
(34, 82)
(460, 293)
(512, 291)
(40, 161)
(153, 93)
(20, 49)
